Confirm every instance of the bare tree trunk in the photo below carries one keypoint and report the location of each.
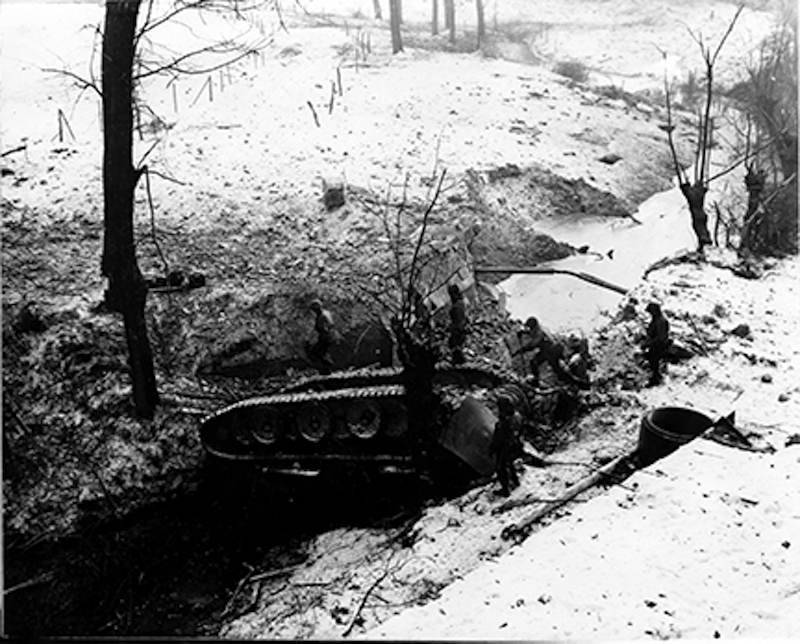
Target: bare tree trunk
(450, 18)
(376, 5)
(481, 22)
(394, 23)
(695, 195)
(127, 291)
(435, 18)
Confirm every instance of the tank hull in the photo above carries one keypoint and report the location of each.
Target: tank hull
(360, 419)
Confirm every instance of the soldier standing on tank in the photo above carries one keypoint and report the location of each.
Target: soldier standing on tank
(323, 325)
(656, 342)
(458, 324)
(505, 444)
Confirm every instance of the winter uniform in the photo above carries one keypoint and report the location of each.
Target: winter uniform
(656, 343)
(505, 445)
(323, 325)
(534, 339)
(458, 324)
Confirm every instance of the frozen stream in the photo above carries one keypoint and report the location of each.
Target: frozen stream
(565, 303)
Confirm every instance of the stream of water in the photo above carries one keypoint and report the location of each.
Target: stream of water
(564, 303)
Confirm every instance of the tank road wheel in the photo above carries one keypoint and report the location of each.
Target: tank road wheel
(395, 419)
(364, 418)
(241, 426)
(264, 424)
(242, 435)
(313, 421)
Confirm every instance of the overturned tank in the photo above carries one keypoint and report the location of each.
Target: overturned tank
(360, 418)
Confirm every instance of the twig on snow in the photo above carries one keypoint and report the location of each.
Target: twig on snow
(242, 583)
(45, 577)
(19, 148)
(363, 601)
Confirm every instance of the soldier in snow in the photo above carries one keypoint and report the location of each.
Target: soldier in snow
(505, 444)
(656, 343)
(323, 325)
(458, 324)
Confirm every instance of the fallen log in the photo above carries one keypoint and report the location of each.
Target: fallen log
(597, 281)
(520, 530)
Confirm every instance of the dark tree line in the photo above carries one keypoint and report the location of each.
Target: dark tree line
(396, 20)
(766, 105)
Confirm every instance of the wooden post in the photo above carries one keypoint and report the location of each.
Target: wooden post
(313, 112)
(62, 123)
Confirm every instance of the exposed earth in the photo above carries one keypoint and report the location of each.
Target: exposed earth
(117, 526)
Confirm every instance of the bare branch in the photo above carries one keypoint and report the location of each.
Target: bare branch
(175, 66)
(752, 154)
(706, 123)
(167, 177)
(727, 33)
(670, 126)
(363, 601)
(79, 80)
(147, 154)
(421, 238)
(153, 220)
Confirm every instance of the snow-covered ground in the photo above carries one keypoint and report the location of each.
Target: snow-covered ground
(699, 545)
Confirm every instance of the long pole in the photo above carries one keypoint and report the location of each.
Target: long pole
(597, 281)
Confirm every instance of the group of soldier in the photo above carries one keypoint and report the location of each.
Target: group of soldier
(506, 445)
(570, 364)
(320, 351)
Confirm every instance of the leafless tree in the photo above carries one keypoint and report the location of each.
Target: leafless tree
(695, 190)
(395, 21)
(767, 99)
(450, 18)
(481, 22)
(125, 62)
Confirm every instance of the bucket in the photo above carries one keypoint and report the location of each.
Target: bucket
(665, 429)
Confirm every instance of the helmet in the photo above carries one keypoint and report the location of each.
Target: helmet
(504, 403)
(532, 323)
(653, 307)
(315, 305)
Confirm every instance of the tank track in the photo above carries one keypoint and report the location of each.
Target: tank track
(354, 378)
(354, 393)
